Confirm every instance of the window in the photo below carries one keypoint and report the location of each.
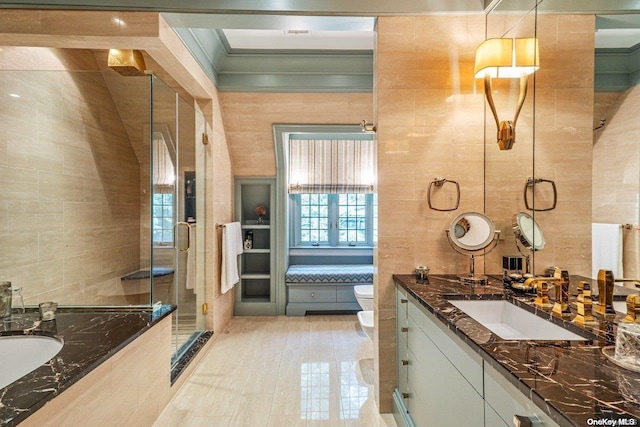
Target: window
(342, 219)
(163, 219)
(164, 178)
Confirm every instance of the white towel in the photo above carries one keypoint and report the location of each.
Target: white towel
(631, 251)
(190, 282)
(606, 249)
(231, 248)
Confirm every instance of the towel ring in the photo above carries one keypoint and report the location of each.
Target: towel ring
(531, 183)
(440, 182)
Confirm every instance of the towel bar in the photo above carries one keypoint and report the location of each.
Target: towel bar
(220, 225)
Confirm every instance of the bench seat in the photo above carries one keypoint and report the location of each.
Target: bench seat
(325, 287)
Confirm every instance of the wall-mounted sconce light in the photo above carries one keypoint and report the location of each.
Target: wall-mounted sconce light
(126, 62)
(507, 58)
(367, 127)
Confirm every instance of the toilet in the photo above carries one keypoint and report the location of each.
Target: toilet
(364, 296)
(365, 318)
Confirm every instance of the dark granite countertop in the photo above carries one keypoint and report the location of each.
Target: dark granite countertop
(90, 335)
(572, 381)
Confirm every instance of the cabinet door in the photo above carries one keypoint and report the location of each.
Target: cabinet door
(491, 418)
(507, 401)
(440, 394)
(460, 355)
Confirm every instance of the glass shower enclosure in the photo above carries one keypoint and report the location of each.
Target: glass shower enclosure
(177, 226)
(98, 170)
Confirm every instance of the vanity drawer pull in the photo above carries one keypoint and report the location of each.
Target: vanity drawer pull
(405, 362)
(525, 421)
(404, 329)
(404, 301)
(405, 395)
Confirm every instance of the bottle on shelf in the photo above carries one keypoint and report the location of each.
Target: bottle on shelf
(248, 240)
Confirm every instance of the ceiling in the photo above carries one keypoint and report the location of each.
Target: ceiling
(300, 39)
(327, 45)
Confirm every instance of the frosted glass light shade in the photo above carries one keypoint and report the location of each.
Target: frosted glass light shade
(507, 58)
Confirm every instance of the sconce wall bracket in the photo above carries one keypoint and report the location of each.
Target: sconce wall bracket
(507, 128)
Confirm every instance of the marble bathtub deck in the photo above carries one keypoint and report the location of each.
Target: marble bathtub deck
(91, 336)
(282, 371)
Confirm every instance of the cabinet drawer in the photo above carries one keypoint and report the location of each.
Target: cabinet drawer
(345, 293)
(312, 294)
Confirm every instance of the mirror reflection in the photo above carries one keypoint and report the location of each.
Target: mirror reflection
(578, 131)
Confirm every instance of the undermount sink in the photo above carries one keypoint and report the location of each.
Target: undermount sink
(511, 322)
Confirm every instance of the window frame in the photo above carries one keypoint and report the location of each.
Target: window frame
(163, 243)
(295, 233)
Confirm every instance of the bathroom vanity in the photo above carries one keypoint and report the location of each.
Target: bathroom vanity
(452, 370)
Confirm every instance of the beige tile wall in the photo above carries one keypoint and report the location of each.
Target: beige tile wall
(564, 108)
(167, 56)
(430, 123)
(562, 130)
(219, 209)
(70, 196)
(430, 116)
(616, 166)
(249, 117)
(616, 170)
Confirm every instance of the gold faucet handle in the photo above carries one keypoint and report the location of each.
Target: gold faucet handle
(633, 309)
(584, 305)
(535, 281)
(629, 283)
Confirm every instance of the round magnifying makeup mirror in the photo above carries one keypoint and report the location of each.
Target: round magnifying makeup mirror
(469, 234)
(528, 236)
(471, 231)
(528, 232)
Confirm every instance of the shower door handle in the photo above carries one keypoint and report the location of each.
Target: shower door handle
(175, 236)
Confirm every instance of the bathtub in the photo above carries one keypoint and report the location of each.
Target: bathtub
(21, 354)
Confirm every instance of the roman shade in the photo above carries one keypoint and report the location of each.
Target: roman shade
(331, 166)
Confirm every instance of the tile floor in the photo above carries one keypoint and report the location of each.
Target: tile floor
(282, 372)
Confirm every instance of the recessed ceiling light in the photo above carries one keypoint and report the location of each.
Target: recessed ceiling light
(14, 95)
